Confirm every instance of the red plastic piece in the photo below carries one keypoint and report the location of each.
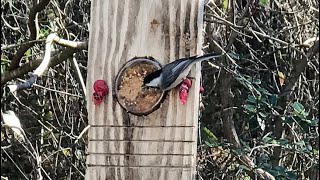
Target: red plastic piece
(101, 89)
(201, 89)
(183, 96)
(184, 90)
(187, 82)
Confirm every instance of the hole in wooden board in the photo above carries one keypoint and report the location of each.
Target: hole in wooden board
(128, 89)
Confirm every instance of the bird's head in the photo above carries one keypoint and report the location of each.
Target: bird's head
(152, 79)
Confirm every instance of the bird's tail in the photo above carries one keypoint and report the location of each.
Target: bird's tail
(208, 56)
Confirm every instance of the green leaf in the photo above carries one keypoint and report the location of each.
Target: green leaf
(225, 4)
(2, 136)
(280, 168)
(299, 108)
(250, 108)
(210, 134)
(234, 55)
(307, 121)
(267, 165)
(244, 82)
(289, 119)
(264, 2)
(300, 143)
(264, 101)
(283, 142)
(314, 121)
(309, 147)
(209, 144)
(273, 99)
(256, 81)
(44, 33)
(264, 161)
(28, 52)
(252, 99)
(3, 69)
(304, 113)
(4, 58)
(66, 152)
(264, 91)
(291, 175)
(262, 114)
(252, 80)
(237, 152)
(4, 63)
(267, 139)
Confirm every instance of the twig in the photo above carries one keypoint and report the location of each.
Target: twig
(262, 146)
(9, 26)
(6, 47)
(46, 60)
(31, 23)
(298, 68)
(75, 63)
(225, 22)
(53, 90)
(47, 56)
(15, 164)
(234, 35)
(224, 52)
(81, 134)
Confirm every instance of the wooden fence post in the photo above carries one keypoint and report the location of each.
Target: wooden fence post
(162, 145)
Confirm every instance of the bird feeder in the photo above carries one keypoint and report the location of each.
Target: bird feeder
(129, 90)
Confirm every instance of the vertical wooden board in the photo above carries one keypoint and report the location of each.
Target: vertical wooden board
(138, 160)
(161, 145)
(99, 172)
(145, 133)
(141, 147)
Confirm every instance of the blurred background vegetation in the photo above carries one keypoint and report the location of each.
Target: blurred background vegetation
(260, 106)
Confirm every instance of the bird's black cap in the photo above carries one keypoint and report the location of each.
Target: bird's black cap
(152, 76)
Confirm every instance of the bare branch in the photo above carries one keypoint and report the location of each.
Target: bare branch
(241, 22)
(46, 60)
(298, 67)
(32, 27)
(32, 65)
(250, 31)
(6, 47)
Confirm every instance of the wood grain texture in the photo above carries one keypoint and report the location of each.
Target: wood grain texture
(162, 145)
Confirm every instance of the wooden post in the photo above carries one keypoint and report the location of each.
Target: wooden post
(162, 145)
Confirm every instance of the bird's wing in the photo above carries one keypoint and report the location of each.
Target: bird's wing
(175, 66)
(180, 65)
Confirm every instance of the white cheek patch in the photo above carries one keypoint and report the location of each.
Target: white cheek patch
(154, 83)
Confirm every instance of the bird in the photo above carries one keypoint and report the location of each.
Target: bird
(172, 74)
(11, 120)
